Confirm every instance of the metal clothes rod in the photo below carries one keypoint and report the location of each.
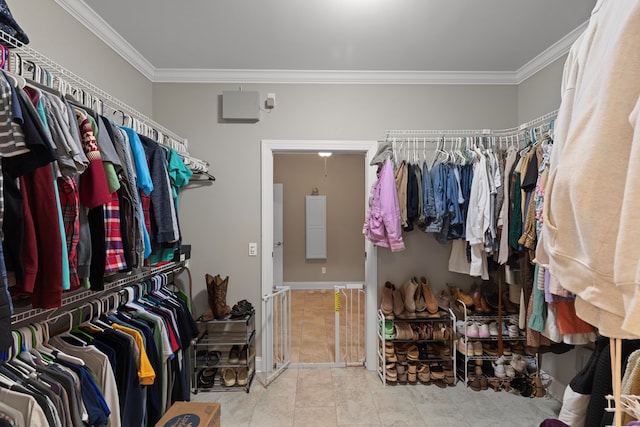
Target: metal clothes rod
(412, 135)
(75, 299)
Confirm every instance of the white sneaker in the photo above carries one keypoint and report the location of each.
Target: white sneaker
(493, 329)
(511, 373)
(465, 347)
(483, 330)
(518, 363)
(472, 330)
(499, 371)
(514, 332)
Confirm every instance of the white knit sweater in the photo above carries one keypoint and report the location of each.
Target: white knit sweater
(591, 231)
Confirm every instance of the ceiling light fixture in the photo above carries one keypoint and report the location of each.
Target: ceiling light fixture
(324, 153)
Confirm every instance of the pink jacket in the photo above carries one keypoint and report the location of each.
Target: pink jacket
(382, 225)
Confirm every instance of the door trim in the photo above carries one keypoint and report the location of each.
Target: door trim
(268, 147)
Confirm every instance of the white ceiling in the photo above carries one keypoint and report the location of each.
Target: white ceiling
(491, 40)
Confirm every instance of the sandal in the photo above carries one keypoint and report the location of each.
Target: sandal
(401, 368)
(206, 377)
(412, 375)
(423, 373)
(213, 357)
(390, 373)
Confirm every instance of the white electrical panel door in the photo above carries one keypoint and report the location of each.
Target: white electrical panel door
(316, 224)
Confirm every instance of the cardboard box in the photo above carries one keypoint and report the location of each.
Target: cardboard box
(191, 414)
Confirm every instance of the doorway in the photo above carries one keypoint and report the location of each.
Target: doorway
(269, 147)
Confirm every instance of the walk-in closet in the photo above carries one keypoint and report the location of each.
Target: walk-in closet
(319, 213)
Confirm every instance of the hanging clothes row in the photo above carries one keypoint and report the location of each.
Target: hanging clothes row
(483, 191)
(83, 197)
(29, 63)
(123, 365)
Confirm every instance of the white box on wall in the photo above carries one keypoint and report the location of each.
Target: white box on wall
(316, 226)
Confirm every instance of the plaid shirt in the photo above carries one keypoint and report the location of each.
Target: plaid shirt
(114, 260)
(70, 206)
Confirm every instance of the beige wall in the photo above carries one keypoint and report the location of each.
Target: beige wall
(57, 35)
(343, 185)
(221, 219)
(540, 93)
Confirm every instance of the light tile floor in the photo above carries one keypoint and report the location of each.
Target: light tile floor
(356, 397)
(313, 328)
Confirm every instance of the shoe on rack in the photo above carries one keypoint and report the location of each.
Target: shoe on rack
(511, 373)
(424, 375)
(213, 357)
(458, 295)
(499, 371)
(390, 352)
(398, 303)
(437, 371)
(412, 373)
(493, 329)
(412, 353)
(389, 331)
(390, 372)
(465, 347)
(518, 363)
(386, 306)
(460, 327)
(506, 349)
(490, 349)
(514, 331)
(472, 330)
(408, 295)
(206, 377)
(444, 300)
(229, 377)
(401, 368)
(242, 376)
(483, 330)
(477, 348)
(430, 299)
(234, 355)
(243, 355)
(418, 297)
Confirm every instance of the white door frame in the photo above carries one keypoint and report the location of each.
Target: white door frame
(268, 147)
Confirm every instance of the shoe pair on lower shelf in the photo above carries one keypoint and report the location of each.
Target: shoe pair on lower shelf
(232, 377)
(239, 355)
(206, 377)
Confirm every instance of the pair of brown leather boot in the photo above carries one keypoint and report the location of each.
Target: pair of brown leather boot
(217, 293)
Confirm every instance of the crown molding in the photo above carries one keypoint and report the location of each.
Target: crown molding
(98, 26)
(549, 55)
(333, 77)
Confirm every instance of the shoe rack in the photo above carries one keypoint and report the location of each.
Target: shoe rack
(418, 350)
(479, 363)
(223, 355)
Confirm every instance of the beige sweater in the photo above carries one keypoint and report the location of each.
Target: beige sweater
(591, 231)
